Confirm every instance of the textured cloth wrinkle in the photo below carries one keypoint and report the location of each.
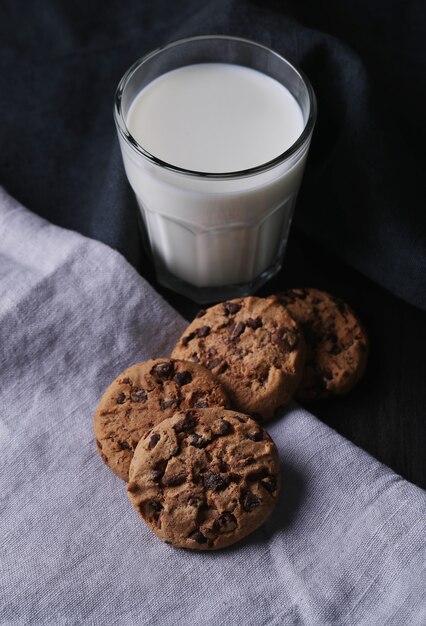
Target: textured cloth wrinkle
(345, 545)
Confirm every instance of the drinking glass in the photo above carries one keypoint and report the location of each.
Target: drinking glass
(214, 236)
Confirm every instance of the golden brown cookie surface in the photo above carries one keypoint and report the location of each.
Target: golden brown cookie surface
(337, 344)
(142, 396)
(204, 479)
(253, 346)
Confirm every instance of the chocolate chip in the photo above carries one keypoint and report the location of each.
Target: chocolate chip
(185, 340)
(126, 381)
(195, 358)
(241, 419)
(155, 505)
(331, 337)
(234, 478)
(277, 340)
(182, 378)
(166, 404)
(249, 501)
(237, 330)
(155, 438)
(124, 445)
(198, 441)
(225, 522)
(285, 338)
(223, 466)
(201, 313)
(174, 480)
(185, 424)
(121, 398)
(253, 476)
(201, 405)
(328, 375)
(215, 481)
(255, 436)
(335, 350)
(214, 363)
(198, 537)
(219, 363)
(231, 308)
(158, 471)
(269, 483)
(225, 428)
(156, 475)
(139, 396)
(163, 370)
(222, 368)
(254, 323)
(203, 331)
(247, 461)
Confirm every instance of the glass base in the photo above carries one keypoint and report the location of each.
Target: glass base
(211, 295)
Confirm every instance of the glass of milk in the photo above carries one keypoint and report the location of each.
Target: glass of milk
(214, 133)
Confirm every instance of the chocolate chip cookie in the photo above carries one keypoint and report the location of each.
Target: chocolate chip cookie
(204, 479)
(337, 344)
(141, 397)
(253, 346)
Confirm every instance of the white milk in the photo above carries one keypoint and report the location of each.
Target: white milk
(217, 118)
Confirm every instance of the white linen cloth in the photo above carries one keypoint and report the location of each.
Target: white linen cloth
(345, 546)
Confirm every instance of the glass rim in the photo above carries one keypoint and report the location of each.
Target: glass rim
(137, 147)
